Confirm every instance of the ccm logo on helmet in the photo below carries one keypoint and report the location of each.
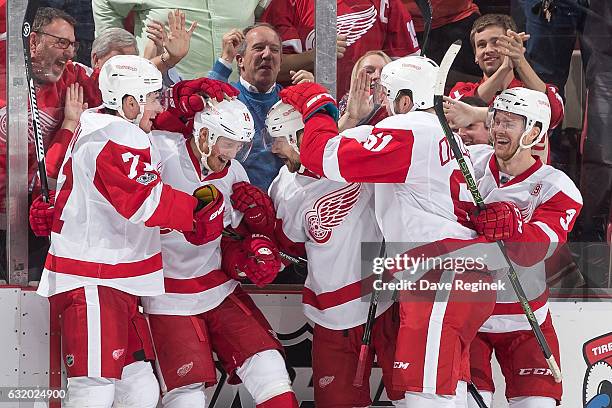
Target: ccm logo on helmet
(316, 98)
(535, 371)
(129, 67)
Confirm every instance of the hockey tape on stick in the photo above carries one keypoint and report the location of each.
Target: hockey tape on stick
(26, 30)
(476, 395)
(447, 61)
(426, 12)
(367, 331)
(293, 259)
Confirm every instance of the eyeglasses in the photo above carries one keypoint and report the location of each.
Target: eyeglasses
(62, 43)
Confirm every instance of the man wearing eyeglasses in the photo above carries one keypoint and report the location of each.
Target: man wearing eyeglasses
(52, 45)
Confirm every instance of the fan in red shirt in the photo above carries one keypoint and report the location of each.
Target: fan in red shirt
(52, 45)
(500, 54)
(367, 24)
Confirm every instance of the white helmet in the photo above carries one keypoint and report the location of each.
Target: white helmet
(528, 103)
(414, 73)
(284, 120)
(128, 75)
(228, 118)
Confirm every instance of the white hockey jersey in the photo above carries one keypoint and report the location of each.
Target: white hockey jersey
(110, 204)
(332, 219)
(549, 203)
(421, 198)
(193, 277)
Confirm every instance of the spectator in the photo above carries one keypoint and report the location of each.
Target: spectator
(365, 102)
(500, 54)
(214, 20)
(451, 21)
(257, 50)
(52, 45)
(476, 132)
(373, 63)
(84, 30)
(367, 25)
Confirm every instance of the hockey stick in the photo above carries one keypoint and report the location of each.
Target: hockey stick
(476, 395)
(426, 12)
(28, 21)
(447, 61)
(367, 331)
(293, 259)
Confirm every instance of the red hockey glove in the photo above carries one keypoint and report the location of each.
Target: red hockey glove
(256, 258)
(310, 98)
(41, 215)
(169, 122)
(185, 97)
(499, 220)
(208, 216)
(257, 207)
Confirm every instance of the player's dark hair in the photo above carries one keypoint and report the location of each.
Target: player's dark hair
(46, 15)
(503, 21)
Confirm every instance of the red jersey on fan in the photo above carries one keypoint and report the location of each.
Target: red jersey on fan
(369, 24)
(444, 12)
(51, 98)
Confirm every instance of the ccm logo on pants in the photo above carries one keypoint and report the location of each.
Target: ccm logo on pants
(534, 371)
(400, 364)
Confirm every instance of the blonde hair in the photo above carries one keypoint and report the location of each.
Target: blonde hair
(359, 62)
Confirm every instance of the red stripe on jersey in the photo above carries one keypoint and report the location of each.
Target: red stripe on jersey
(385, 157)
(196, 285)
(516, 309)
(87, 269)
(532, 169)
(339, 296)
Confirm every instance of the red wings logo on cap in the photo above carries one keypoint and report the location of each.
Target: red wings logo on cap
(330, 210)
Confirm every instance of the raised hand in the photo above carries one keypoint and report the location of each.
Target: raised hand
(230, 43)
(73, 106)
(179, 38)
(359, 104)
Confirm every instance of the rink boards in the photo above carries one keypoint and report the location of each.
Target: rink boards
(31, 355)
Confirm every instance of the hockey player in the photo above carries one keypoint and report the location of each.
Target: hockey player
(332, 218)
(417, 198)
(531, 207)
(105, 249)
(204, 308)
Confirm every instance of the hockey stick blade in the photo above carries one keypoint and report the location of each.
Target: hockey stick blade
(427, 14)
(447, 61)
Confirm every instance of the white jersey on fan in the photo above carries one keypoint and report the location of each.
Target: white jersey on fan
(193, 277)
(549, 203)
(109, 205)
(332, 219)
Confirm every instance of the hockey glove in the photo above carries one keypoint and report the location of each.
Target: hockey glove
(257, 207)
(169, 122)
(185, 97)
(256, 258)
(309, 98)
(499, 220)
(208, 216)
(41, 215)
